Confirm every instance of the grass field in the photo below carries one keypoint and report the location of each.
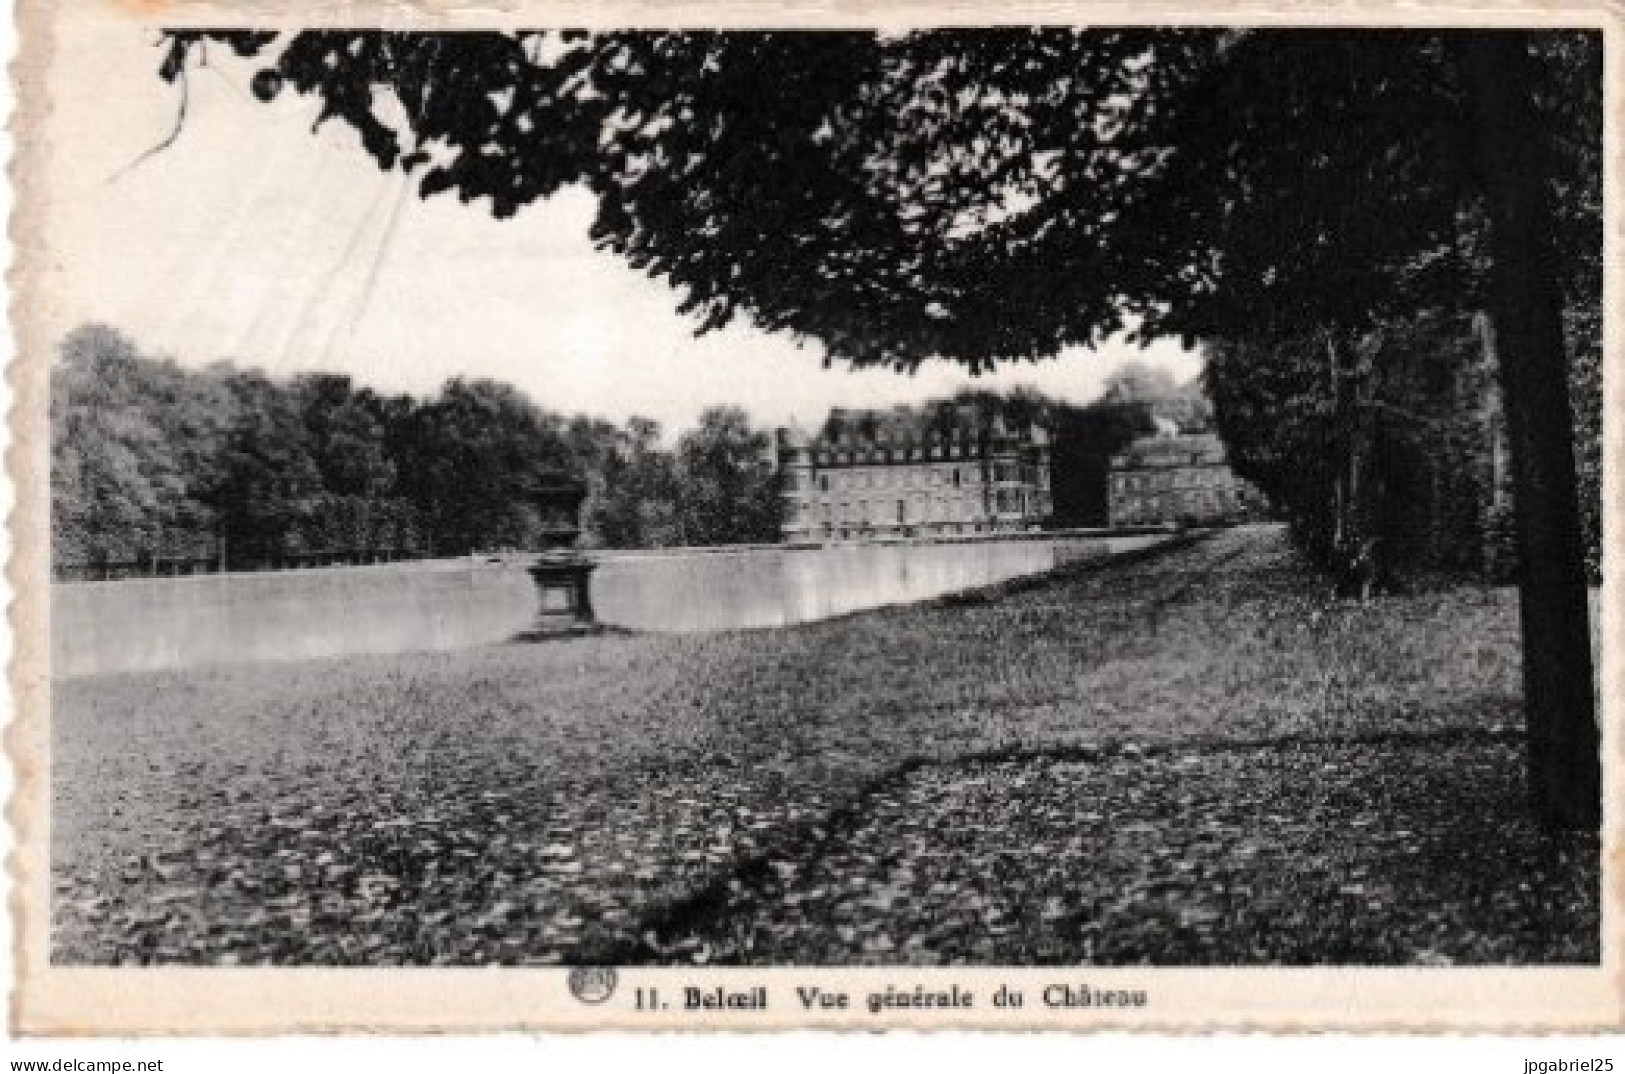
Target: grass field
(624, 796)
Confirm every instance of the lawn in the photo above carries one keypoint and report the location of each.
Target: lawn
(540, 803)
(1363, 852)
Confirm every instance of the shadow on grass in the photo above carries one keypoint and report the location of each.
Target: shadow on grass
(1374, 850)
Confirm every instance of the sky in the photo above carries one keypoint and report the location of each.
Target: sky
(257, 238)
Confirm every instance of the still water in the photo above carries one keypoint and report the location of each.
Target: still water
(145, 624)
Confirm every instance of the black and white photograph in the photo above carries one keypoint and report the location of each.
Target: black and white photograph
(643, 506)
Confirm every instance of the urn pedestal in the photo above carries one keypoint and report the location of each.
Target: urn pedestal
(563, 589)
(562, 575)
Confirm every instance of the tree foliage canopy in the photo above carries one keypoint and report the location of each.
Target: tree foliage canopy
(944, 194)
(976, 195)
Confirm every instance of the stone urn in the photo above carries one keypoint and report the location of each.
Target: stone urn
(561, 572)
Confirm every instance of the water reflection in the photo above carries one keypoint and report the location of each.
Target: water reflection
(768, 589)
(153, 623)
(99, 627)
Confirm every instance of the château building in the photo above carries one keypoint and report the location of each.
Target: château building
(880, 474)
(1179, 479)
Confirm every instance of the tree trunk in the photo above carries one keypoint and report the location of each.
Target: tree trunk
(1526, 308)
(1344, 475)
(1368, 550)
(1357, 551)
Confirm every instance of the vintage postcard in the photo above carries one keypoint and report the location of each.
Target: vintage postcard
(759, 516)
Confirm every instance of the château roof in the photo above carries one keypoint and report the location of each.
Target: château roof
(1163, 452)
(907, 427)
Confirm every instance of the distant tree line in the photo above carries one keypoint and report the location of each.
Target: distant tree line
(156, 467)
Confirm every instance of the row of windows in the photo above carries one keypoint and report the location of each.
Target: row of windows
(848, 532)
(882, 479)
(886, 454)
(916, 478)
(1006, 501)
(1167, 479)
(1010, 471)
(902, 511)
(1170, 505)
(1010, 501)
(1162, 459)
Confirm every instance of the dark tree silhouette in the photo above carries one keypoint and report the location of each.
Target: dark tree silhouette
(728, 483)
(1526, 307)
